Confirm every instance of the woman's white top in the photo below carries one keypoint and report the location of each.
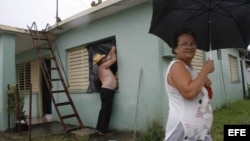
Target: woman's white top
(196, 116)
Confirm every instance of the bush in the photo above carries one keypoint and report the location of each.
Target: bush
(154, 132)
(13, 101)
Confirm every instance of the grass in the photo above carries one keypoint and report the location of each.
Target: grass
(154, 132)
(234, 113)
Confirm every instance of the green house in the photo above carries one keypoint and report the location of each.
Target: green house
(142, 59)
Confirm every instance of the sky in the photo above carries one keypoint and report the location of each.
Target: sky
(22, 13)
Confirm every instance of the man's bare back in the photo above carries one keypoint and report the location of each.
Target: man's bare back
(107, 78)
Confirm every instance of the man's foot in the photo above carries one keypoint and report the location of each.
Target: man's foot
(109, 133)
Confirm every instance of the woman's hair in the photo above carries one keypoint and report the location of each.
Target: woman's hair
(178, 34)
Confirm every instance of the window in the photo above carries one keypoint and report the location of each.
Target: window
(102, 47)
(78, 68)
(233, 68)
(35, 75)
(198, 60)
(28, 73)
(82, 73)
(24, 76)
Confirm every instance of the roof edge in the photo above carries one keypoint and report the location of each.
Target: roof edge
(6, 28)
(93, 9)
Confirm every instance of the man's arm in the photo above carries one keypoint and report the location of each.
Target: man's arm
(112, 53)
(111, 58)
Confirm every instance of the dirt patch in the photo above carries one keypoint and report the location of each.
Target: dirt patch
(117, 136)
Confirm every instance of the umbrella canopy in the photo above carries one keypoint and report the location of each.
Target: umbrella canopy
(217, 24)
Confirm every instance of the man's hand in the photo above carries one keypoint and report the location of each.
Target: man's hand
(111, 52)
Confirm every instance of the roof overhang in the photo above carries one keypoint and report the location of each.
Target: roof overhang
(109, 7)
(23, 39)
(106, 8)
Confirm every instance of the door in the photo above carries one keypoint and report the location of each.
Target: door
(46, 99)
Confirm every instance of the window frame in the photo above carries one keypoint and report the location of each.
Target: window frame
(233, 69)
(29, 73)
(24, 76)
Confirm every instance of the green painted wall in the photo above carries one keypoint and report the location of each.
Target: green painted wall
(224, 90)
(26, 56)
(7, 73)
(136, 49)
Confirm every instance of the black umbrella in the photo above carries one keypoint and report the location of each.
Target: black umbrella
(217, 23)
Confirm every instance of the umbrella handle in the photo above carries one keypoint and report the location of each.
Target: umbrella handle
(210, 55)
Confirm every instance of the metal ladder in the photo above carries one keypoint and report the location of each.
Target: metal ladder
(41, 38)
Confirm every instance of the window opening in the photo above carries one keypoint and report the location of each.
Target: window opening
(81, 71)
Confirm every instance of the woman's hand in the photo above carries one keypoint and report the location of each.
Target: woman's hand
(207, 85)
(209, 66)
(207, 82)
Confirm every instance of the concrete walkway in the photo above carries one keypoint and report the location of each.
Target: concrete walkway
(43, 129)
(55, 128)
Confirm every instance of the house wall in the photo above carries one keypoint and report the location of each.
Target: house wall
(224, 90)
(248, 75)
(26, 56)
(136, 50)
(245, 76)
(7, 74)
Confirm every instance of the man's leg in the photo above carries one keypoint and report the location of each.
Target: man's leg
(106, 110)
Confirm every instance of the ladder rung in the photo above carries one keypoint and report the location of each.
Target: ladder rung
(55, 79)
(39, 35)
(53, 68)
(58, 91)
(63, 103)
(73, 129)
(43, 48)
(38, 32)
(40, 38)
(48, 58)
(68, 116)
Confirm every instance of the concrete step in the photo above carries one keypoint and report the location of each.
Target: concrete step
(39, 120)
(83, 133)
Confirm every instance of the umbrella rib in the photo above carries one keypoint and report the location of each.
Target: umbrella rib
(230, 16)
(218, 6)
(202, 9)
(213, 9)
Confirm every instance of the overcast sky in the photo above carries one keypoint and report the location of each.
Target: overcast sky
(20, 13)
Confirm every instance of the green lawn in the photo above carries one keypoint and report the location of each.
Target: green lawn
(234, 113)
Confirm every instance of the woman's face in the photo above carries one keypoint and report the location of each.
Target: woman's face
(186, 47)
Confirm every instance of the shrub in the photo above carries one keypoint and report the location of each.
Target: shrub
(154, 132)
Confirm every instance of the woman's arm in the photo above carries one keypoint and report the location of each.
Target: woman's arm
(181, 79)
